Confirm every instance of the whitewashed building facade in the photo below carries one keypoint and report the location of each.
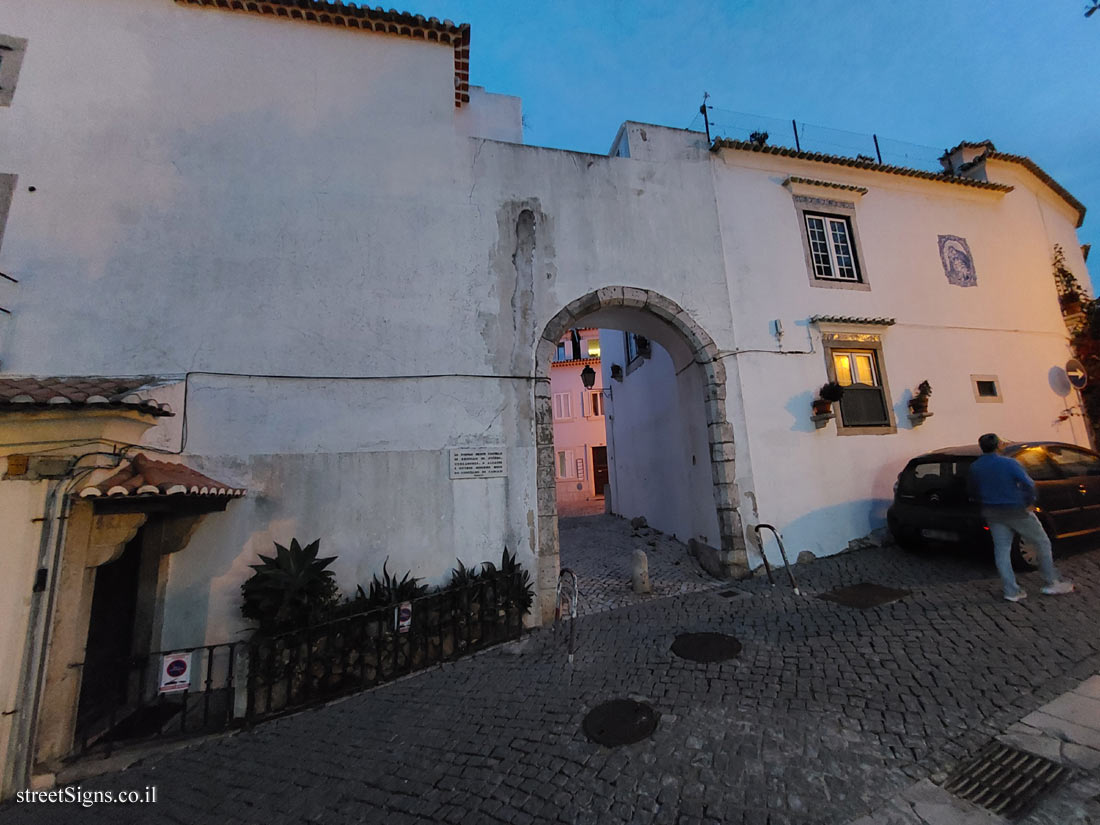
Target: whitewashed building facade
(296, 227)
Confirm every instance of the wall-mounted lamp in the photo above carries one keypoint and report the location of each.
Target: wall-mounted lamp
(588, 377)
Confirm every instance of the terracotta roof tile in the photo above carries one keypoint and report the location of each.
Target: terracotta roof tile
(869, 165)
(145, 476)
(364, 18)
(852, 319)
(828, 184)
(29, 393)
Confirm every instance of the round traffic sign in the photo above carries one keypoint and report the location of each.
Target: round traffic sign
(1075, 371)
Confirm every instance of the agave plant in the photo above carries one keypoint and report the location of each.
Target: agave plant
(463, 575)
(524, 597)
(390, 590)
(290, 589)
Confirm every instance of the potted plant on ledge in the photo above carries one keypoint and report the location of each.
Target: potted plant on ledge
(823, 405)
(918, 404)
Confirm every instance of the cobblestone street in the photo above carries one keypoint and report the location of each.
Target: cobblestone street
(599, 550)
(828, 714)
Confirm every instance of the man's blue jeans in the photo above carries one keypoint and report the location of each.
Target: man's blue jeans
(1004, 522)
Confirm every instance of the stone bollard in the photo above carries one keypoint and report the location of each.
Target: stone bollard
(640, 576)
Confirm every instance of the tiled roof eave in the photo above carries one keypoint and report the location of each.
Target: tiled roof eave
(847, 187)
(79, 394)
(575, 362)
(147, 478)
(364, 18)
(852, 319)
(1035, 169)
(60, 404)
(870, 166)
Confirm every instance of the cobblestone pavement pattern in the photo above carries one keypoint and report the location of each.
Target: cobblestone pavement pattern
(828, 714)
(599, 549)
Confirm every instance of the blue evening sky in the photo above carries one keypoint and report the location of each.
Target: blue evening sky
(1024, 74)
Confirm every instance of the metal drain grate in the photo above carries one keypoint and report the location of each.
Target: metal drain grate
(865, 595)
(1003, 779)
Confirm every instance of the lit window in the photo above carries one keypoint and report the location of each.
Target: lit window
(832, 250)
(593, 347)
(864, 401)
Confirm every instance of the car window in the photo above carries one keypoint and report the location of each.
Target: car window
(1037, 465)
(936, 479)
(1072, 462)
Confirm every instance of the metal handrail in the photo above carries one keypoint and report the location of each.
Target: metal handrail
(782, 552)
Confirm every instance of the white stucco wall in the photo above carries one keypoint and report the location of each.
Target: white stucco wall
(493, 116)
(823, 489)
(658, 450)
(293, 220)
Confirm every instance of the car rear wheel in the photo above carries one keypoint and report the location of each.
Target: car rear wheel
(1025, 556)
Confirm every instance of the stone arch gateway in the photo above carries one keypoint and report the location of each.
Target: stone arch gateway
(647, 312)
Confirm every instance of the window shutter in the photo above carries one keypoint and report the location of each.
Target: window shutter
(863, 406)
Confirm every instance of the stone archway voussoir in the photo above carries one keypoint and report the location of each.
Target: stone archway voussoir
(610, 296)
(584, 305)
(558, 325)
(634, 298)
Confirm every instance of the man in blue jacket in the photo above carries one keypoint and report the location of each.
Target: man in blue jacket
(1006, 493)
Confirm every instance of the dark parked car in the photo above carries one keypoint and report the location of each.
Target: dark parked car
(931, 503)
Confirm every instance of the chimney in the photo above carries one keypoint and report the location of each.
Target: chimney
(954, 159)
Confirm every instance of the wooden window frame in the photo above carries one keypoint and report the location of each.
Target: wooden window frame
(848, 341)
(844, 212)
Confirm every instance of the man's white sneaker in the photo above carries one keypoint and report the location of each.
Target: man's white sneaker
(1058, 588)
(1019, 597)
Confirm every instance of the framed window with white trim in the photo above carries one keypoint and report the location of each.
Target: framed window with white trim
(855, 361)
(563, 406)
(830, 243)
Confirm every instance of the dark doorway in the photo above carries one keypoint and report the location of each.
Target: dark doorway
(110, 637)
(599, 469)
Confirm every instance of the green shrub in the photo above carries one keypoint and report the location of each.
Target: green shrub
(290, 589)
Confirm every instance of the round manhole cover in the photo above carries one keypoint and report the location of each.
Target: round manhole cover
(620, 722)
(706, 647)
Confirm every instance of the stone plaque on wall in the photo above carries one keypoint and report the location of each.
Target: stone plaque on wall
(478, 462)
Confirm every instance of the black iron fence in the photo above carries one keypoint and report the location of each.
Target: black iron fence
(221, 686)
(140, 701)
(298, 668)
